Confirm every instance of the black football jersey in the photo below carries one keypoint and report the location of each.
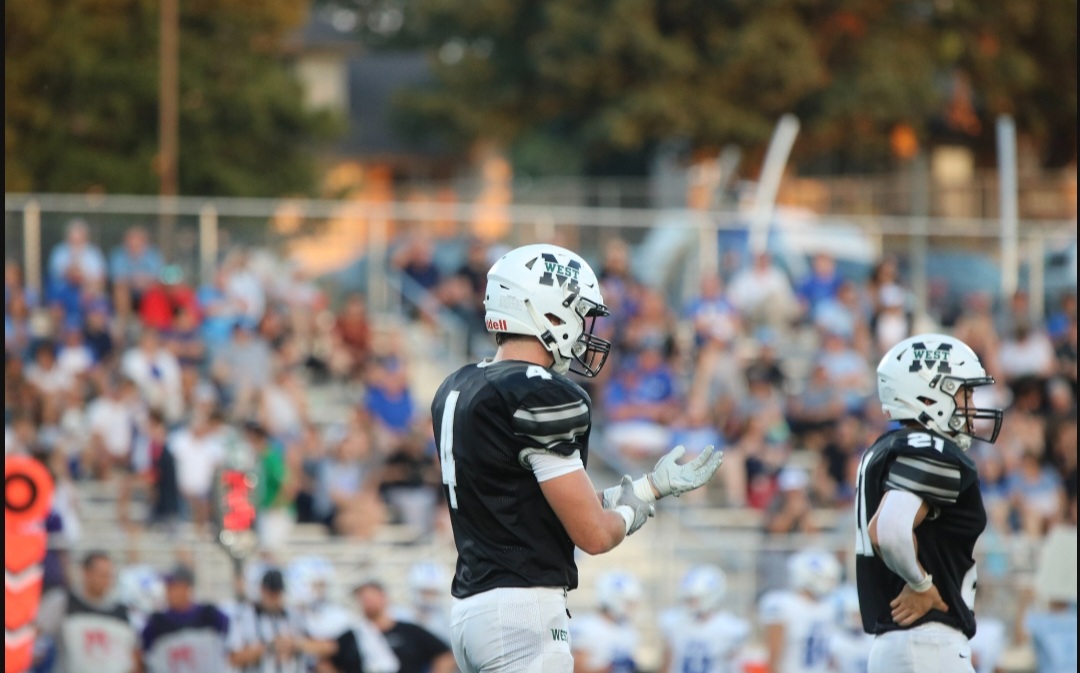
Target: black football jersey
(944, 476)
(488, 418)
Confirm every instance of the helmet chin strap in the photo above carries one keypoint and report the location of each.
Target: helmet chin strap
(961, 439)
(561, 364)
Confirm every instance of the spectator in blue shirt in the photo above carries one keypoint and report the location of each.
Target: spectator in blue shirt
(388, 399)
(76, 261)
(219, 312)
(133, 267)
(1036, 493)
(713, 316)
(821, 285)
(640, 402)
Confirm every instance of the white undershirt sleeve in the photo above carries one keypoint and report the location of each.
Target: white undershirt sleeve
(895, 526)
(546, 465)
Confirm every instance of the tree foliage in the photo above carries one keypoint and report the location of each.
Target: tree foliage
(609, 76)
(81, 98)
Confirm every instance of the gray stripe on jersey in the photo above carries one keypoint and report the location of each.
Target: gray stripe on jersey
(937, 494)
(932, 466)
(545, 427)
(926, 474)
(552, 414)
(554, 407)
(547, 441)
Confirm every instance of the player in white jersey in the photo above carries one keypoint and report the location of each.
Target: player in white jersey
(798, 621)
(142, 591)
(429, 606)
(698, 637)
(849, 645)
(604, 641)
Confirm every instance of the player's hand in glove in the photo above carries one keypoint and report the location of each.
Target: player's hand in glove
(634, 510)
(671, 478)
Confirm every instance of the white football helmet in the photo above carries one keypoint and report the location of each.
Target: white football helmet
(703, 589)
(547, 292)
(848, 616)
(919, 379)
(140, 588)
(618, 593)
(816, 572)
(308, 580)
(428, 585)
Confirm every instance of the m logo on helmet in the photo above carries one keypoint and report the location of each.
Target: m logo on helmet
(930, 358)
(566, 275)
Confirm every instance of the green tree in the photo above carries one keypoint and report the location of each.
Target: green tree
(617, 76)
(1020, 58)
(81, 98)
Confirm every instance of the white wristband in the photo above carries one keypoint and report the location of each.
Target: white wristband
(923, 585)
(627, 513)
(643, 490)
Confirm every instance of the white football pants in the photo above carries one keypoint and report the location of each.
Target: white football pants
(512, 631)
(930, 648)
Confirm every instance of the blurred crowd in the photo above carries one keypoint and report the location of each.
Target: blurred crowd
(122, 369)
(780, 374)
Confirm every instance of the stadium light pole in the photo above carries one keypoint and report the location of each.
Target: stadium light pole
(168, 115)
(769, 183)
(1010, 210)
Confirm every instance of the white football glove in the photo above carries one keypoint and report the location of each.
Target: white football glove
(622, 499)
(670, 478)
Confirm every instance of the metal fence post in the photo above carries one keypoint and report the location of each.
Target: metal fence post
(920, 210)
(1010, 262)
(32, 245)
(208, 242)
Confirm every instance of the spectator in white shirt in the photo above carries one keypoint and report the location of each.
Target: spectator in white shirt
(49, 381)
(242, 286)
(45, 374)
(1028, 352)
(75, 357)
(763, 294)
(197, 450)
(156, 371)
(113, 419)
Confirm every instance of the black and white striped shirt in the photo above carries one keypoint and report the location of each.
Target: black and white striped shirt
(254, 625)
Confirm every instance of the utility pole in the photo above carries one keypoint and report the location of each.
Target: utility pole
(168, 116)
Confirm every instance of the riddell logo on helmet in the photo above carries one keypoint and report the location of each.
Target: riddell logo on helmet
(496, 325)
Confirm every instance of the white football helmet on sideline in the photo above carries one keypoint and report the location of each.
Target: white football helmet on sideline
(919, 378)
(703, 589)
(308, 580)
(545, 291)
(140, 588)
(848, 616)
(618, 593)
(428, 585)
(816, 572)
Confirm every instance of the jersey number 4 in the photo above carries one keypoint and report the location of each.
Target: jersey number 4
(446, 446)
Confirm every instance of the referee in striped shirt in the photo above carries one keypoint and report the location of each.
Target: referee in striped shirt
(266, 637)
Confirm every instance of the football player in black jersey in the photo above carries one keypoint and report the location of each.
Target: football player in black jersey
(513, 440)
(919, 510)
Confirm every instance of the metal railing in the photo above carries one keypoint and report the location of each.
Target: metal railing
(327, 235)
